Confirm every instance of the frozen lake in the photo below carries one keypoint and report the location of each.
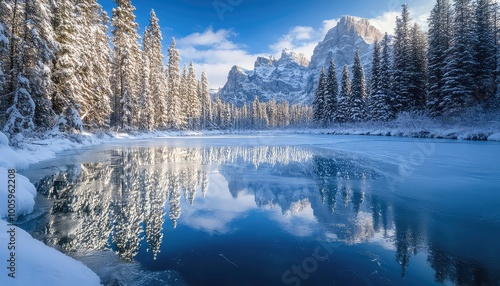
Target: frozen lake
(275, 210)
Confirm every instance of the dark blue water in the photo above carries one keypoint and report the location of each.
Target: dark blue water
(284, 210)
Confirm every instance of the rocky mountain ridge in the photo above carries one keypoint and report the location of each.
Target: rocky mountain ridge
(293, 77)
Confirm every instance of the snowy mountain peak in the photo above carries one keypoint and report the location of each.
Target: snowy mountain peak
(264, 61)
(350, 25)
(341, 42)
(290, 56)
(293, 77)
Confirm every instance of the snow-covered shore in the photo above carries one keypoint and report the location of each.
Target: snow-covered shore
(34, 263)
(27, 261)
(458, 133)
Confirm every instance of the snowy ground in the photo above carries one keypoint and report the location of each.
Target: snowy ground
(50, 267)
(38, 264)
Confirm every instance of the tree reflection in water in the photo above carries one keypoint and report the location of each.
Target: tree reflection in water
(124, 200)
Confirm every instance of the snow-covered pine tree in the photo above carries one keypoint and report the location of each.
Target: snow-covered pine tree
(263, 116)
(94, 72)
(418, 69)
(331, 96)
(157, 76)
(215, 111)
(206, 102)
(344, 95)
(39, 47)
(12, 18)
(272, 111)
(126, 59)
(40, 57)
(439, 43)
(175, 114)
(183, 99)
(192, 99)
(255, 113)
(235, 116)
(375, 82)
(485, 51)
(381, 109)
(319, 100)
(376, 99)
(357, 99)
(21, 112)
(147, 110)
(402, 50)
(67, 88)
(459, 87)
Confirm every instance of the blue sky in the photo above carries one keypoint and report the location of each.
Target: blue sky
(217, 34)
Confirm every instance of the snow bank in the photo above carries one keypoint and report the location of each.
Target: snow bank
(38, 264)
(25, 194)
(494, 137)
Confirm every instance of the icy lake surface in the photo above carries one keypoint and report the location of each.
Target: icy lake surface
(275, 210)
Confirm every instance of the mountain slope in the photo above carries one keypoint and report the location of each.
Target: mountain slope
(293, 77)
(281, 79)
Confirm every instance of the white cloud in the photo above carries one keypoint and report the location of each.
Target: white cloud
(208, 38)
(302, 39)
(385, 22)
(419, 13)
(215, 52)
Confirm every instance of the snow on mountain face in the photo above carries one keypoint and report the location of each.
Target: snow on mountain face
(281, 79)
(293, 77)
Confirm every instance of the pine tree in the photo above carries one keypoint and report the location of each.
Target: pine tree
(375, 82)
(379, 102)
(192, 99)
(439, 44)
(459, 84)
(387, 79)
(68, 89)
(331, 97)
(319, 100)
(28, 27)
(12, 18)
(357, 99)
(206, 102)
(93, 73)
(126, 60)
(402, 68)
(175, 119)
(157, 76)
(345, 94)
(255, 113)
(272, 111)
(147, 110)
(21, 112)
(183, 99)
(418, 69)
(485, 50)
(40, 57)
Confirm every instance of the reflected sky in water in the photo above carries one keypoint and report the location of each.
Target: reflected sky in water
(383, 212)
